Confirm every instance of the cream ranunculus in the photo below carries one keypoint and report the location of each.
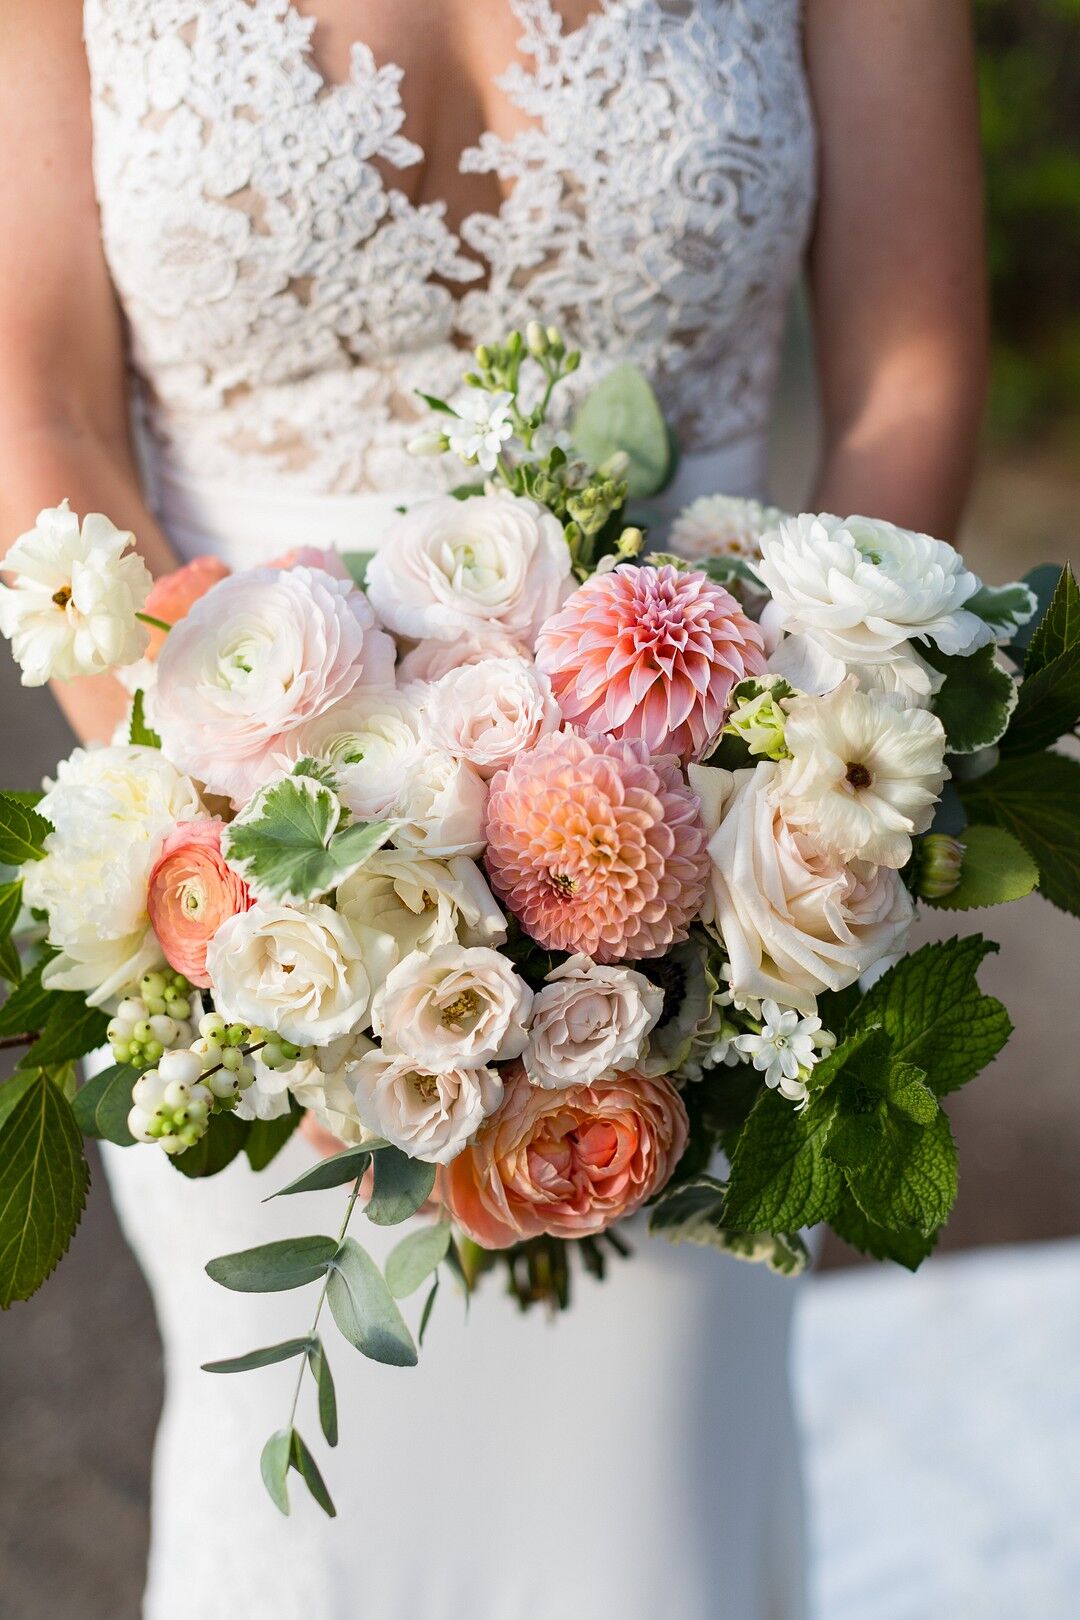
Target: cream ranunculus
(457, 1007)
(421, 903)
(442, 807)
(794, 922)
(371, 741)
(297, 970)
(430, 1114)
(110, 809)
(589, 1022)
(488, 713)
(71, 609)
(449, 567)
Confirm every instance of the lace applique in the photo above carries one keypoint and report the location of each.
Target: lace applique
(284, 298)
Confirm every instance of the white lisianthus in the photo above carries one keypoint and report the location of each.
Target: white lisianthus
(722, 526)
(430, 1114)
(297, 970)
(492, 563)
(442, 806)
(430, 660)
(863, 776)
(421, 903)
(371, 741)
(71, 609)
(110, 808)
(490, 712)
(794, 921)
(460, 1006)
(481, 427)
(783, 1050)
(589, 1022)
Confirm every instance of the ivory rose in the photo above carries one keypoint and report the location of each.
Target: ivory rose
(429, 1113)
(794, 921)
(461, 1006)
(442, 805)
(421, 903)
(567, 1163)
(190, 894)
(588, 1022)
(490, 712)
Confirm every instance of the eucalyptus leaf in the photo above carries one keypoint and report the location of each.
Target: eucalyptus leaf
(272, 1267)
(339, 1168)
(364, 1309)
(412, 1261)
(274, 1465)
(429, 1306)
(260, 1358)
(324, 1384)
(402, 1185)
(304, 1463)
(622, 414)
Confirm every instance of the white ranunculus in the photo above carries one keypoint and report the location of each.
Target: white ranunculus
(864, 775)
(863, 589)
(722, 526)
(491, 563)
(421, 903)
(429, 1114)
(459, 1006)
(794, 922)
(371, 741)
(110, 808)
(71, 609)
(488, 713)
(430, 660)
(297, 970)
(589, 1022)
(907, 680)
(442, 807)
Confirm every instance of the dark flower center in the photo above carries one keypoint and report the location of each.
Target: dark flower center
(858, 776)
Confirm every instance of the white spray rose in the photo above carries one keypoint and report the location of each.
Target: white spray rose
(461, 1006)
(371, 741)
(795, 922)
(421, 903)
(429, 1114)
(488, 713)
(71, 610)
(442, 806)
(589, 1022)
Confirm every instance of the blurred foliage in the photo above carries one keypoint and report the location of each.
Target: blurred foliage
(1029, 71)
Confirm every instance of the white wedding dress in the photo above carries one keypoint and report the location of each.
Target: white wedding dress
(284, 293)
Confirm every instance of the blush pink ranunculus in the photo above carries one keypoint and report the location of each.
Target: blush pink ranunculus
(191, 893)
(173, 596)
(312, 557)
(567, 1163)
(650, 653)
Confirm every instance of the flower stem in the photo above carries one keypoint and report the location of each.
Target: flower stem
(157, 624)
(8, 1042)
(312, 1331)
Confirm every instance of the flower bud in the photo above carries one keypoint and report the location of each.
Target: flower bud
(938, 866)
(536, 339)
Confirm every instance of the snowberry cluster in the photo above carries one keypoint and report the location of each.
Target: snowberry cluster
(157, 1019)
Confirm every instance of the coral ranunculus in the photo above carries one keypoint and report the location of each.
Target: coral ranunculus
(595, 848)
(650, 653)
(173, 596)
(568, 1163)
(191, 893)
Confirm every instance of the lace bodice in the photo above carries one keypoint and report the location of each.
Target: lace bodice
(285, 298)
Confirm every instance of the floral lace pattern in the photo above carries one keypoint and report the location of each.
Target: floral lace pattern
(284, 298)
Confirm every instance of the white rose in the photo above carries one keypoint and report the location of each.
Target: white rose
(421, 903)
(430, 660)
(110, 808)
(371, 741)
(297, 970)
(449, 567)
(71, 610)
(489, 713)
(442, 806)
(460, 1006)
(793, 921)
(589, 1022)
(428, 1114)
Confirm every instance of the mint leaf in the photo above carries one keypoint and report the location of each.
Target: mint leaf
(996, 868)
(1048, 706)
(22, 831)
(43, 1182)
(1004, 607)
(286, 842)
(140, 735)
(692, 1212)
(1059, 628)
(334, 1171)
(10, 906)
(907, 1246)
(910, 1177)
(622, 413)
(1037, 799)
(976, 699)
(102, 1105)
(780, 1176)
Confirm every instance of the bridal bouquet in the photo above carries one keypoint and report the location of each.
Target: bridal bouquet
(560, 873)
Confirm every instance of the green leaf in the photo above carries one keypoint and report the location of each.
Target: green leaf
(335, 1171)
(622, 413)
(1004, 607)
(304, 1463)
(357, 564)
(780, 1176)
(936, 1017)
(140, 735)
(265, 1138)
(1059, 628)
(43, 1182)
(692, 1212)
(1042, 581)
(274, 1465)
(22, 831)
(287, 843)
(402, 1185)
(413, 1260)
(71, 1030)
(434, 403)
(324, 1384)
(260, 1358)
(272, 1267)
(429, 1306)
(10, 906)
(910, 1178)
(1048, 706)
(1037, 799)
(28, 1006)
(976, 699)
(102, 1105)
(364, 1309)
(907, 1246)
(996, 868)
(219, 1145)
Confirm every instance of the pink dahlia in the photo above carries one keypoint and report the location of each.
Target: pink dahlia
(650, 653)
(596, 849)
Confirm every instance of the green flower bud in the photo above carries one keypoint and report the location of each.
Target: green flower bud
(938, 864)
(758, 718)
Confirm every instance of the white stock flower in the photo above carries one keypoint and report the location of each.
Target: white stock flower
(481, 427)
(442, 807)
(297, 970)
(490, 712)
(794, 921)
(459, 1006)
(421, 903)
(371, 741)
(491, 563)
(110, 808)
(863, 776)
(71, 609)
(722, 526)
(589, 1022)
(430, 1114)
(783, 1050)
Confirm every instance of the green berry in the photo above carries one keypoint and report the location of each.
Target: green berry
(152, 984)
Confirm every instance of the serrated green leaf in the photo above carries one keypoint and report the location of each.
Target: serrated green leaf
(28, 1006)
(401, 1186)
(780, 1177)
(272, 1267)
(364, 1309)
(274, 1466)
(1048, 706)
(260, 1358)
(413, 1260)
(1042, 581)
(357, 564)
(287, 842)
(692, 1212)
(10, 906)
(1004, 607)
(1037, 799)
(976, 699)
(43, 1183)
(102, 1105)
(22, 831)
(910, 1177)
(622, 413)
(140, 735)
(996, 868)
(265, 1138)
(222, 1142)
(334, 1171)
(71, 1030)
(304, 1463)
(908, 1247)
(1058, 630)
(324, 1385)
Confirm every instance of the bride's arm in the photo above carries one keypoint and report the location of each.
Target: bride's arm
(897, 261)
(63, 414)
